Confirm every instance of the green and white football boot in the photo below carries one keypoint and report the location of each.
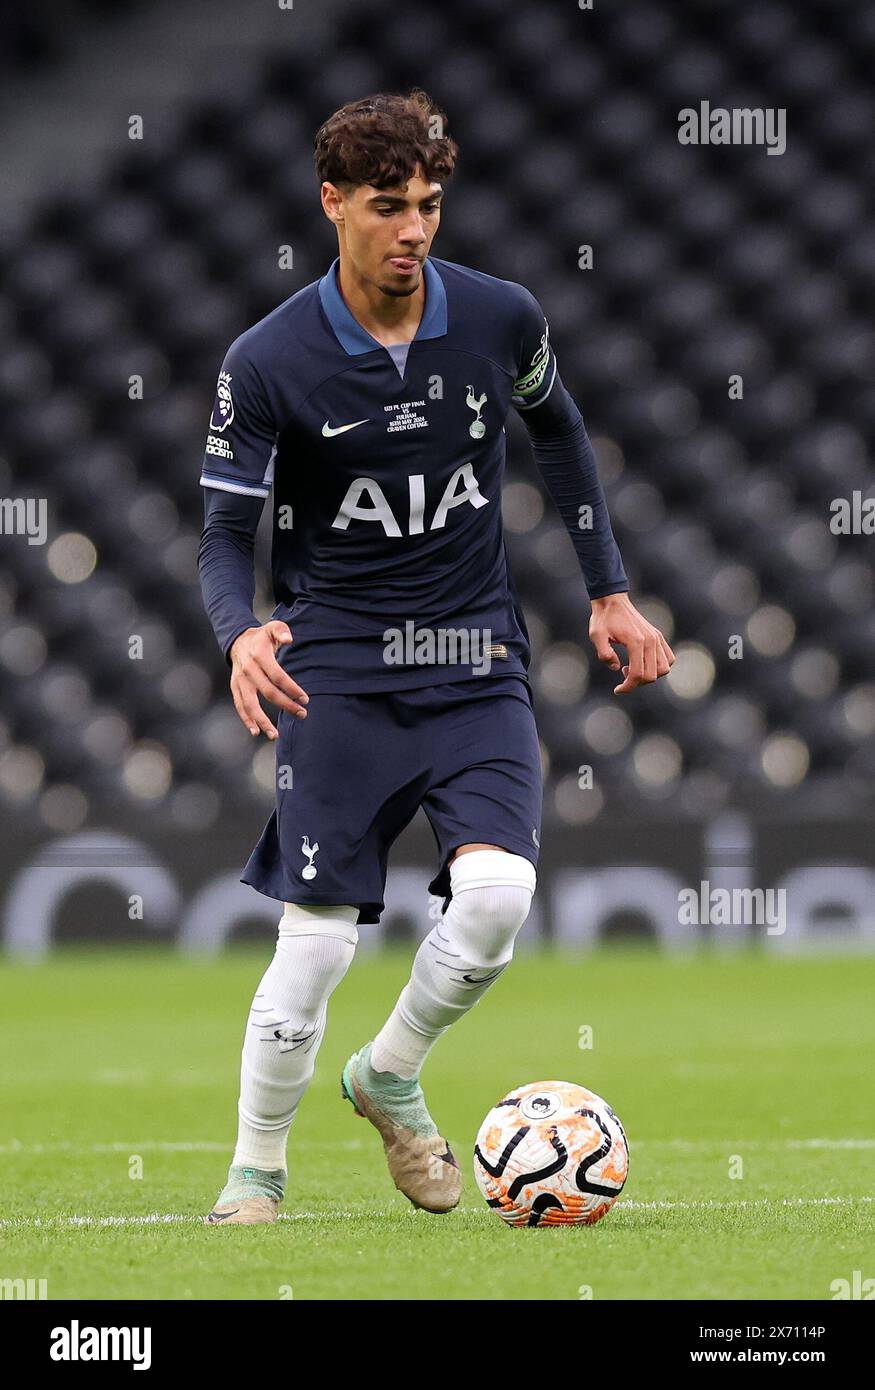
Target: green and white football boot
(420, 1160)
(250, 1197)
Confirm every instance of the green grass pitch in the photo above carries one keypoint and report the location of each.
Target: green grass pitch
(116, 1063)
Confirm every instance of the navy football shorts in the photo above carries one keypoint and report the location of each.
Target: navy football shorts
(353, 774)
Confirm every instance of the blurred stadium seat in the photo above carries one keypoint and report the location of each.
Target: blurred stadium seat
(708, 262)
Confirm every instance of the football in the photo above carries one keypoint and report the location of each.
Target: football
(551, 1154)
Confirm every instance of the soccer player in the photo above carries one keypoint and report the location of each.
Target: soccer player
(372, 402)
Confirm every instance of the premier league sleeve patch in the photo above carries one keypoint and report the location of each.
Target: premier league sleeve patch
(223, 410)
(241, 435)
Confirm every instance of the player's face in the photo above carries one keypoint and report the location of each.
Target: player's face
(387, 232)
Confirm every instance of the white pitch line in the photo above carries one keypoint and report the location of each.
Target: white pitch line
(831, 1143)
(14, 1146)
(155, 1146)
(631, 1204)
(178, 1219)
(157, 1218)
(66, 1146)
(690, 1145)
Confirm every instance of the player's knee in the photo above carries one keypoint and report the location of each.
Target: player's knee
(315, 948)
(492, 895)
(306, 919)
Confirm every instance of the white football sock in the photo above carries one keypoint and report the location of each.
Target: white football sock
(285, 1027)
(460, 958)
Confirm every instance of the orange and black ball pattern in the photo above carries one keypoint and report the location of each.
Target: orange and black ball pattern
(551, 1154)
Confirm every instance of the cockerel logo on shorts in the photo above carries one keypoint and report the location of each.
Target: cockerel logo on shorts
(310, 870)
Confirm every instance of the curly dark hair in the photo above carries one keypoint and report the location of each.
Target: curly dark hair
(381, 139)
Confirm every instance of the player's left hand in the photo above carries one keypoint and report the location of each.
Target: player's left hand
(616, 621)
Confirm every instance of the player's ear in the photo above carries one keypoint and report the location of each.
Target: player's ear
(332, 202)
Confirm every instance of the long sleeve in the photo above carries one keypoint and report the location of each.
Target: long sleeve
(236, 477)
(563, 452)
(565, 458)
(226, 562)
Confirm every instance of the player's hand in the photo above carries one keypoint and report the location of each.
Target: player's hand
(255, 670)
(616, 621)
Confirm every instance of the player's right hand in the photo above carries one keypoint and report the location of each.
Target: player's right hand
(255, 670)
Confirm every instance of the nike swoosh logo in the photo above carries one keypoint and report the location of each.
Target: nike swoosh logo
(216, 1217)
(329, 433)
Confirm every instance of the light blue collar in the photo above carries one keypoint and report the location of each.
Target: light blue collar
(355, 339)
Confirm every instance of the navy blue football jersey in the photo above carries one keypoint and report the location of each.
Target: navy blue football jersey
(386, 469)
